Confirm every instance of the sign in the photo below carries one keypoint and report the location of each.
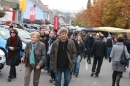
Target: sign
(9, 16)
(32, 13)
(56, 22)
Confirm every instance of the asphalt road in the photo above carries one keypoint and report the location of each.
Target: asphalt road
(83, 79)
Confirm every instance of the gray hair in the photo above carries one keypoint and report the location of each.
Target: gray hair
(62, 29)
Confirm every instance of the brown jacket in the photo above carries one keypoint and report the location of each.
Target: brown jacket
(39, 54)
(71, 52)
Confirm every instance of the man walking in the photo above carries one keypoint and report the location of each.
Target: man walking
(63, 57)
(99, 50)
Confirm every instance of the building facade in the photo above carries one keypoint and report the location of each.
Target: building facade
(41, 12)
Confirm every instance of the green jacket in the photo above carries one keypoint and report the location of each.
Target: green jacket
(71, 52)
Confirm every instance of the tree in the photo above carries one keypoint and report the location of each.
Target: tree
(117, 14)
(80, 19)
(95, 13)
(2, 13)
(88, 4)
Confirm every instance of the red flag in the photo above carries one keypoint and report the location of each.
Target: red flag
(56, 22)
(32, 13)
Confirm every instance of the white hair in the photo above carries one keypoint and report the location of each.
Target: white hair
(62, 29)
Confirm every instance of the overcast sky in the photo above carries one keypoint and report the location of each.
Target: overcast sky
(66, 5)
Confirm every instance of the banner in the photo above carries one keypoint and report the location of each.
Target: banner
(22, 5)
(32, 13)
(56, 22)
(9, 16)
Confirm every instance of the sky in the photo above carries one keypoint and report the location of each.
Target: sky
(66, 5)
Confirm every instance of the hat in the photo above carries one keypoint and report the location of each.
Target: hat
(69, 34)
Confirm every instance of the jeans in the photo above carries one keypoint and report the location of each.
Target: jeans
(128, 61)
(98, 59)
(108, 51)
(77, 65)
(59, 76)
(12, 71)
(47, 64)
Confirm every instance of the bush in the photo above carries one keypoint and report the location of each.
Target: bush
(2, 13)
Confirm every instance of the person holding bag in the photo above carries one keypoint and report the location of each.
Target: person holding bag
(119, 52)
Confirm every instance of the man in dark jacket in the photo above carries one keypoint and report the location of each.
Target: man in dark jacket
(63, 57)
(99, 50)
(88, 46)
(44, 39)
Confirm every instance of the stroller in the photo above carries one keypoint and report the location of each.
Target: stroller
(2, 59)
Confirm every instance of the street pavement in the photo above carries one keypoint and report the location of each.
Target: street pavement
(83, 79)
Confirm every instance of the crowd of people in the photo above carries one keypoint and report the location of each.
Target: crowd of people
(61, 51)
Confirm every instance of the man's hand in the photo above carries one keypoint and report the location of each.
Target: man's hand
(38, 67)
(22, 60)
(11, 48)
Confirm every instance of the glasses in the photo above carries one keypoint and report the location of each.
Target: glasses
(12, 32)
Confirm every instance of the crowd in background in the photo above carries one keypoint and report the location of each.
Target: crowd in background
(61, 50)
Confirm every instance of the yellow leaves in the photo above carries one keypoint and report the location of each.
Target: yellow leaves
(117, 14)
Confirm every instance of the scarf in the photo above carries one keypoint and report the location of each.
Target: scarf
(32, 58)
(12, 43)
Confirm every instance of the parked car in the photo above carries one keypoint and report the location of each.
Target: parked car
(25, 37)
(2, 59)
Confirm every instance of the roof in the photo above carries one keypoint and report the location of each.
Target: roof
(41, 5)
(36, 21)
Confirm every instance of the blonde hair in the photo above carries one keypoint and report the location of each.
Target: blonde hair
(35, 33)
(62, 29)
(80, 36)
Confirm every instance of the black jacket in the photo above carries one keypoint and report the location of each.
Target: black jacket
(82, 49)
(99, 48)
(77, 46)
(45, 39)
(127, 44)
(109, 42)
(14, 61)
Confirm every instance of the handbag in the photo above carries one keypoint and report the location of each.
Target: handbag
(123, 59)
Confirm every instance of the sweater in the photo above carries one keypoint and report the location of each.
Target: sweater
(62, 57)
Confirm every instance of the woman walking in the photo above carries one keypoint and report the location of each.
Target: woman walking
(79, 57)
(116, 54)
(13, 45)
(34, 57)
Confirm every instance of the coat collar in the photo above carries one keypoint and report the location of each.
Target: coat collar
(119, 43)
(69, 42)
(36, 45)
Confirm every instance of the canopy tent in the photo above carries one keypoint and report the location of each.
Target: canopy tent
(106, 29)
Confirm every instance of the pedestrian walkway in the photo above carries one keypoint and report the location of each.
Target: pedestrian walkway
(83, 79)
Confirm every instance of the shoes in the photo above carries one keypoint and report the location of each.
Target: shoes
(113, 85)
(13, 76)
(54, 82)
(96, 75)
(92, 74)
(9, 79)
(50, 80)
(76, 76)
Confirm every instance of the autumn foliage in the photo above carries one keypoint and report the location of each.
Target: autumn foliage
(80, 19)
(117, 14)
(112, 13)
(95, 13)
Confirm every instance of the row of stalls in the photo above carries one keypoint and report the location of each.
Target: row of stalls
(105, 30)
